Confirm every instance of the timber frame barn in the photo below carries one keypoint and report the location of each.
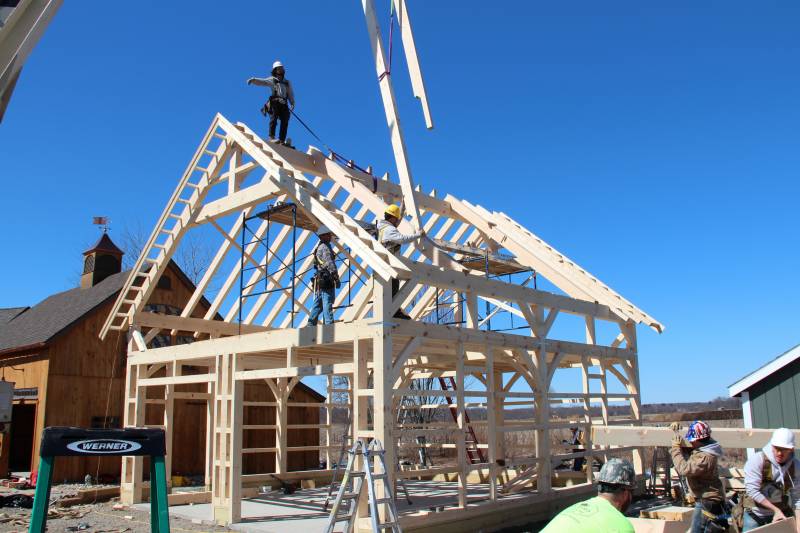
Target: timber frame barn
(240, 188)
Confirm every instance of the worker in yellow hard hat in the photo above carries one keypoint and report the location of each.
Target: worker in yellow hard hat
(392, 239)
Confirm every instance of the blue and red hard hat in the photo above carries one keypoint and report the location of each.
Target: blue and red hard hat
(698, 430)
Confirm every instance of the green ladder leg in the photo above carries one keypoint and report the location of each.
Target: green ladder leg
(41, 498)
(159, 507)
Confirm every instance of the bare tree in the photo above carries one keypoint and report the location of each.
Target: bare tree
(193, 254)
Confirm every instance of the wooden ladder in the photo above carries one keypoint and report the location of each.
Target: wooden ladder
(172, 225)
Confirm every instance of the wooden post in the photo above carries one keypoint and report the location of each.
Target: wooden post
(228, 404)
(632, 371)
(329, 420)
(210, 435)
(587, 413)
(281, 421)
(491, 412)
(172, 369)
(461, 445)
(545, 470)
(360, 401)
(131, 477)
(499, 415)
(383, 421)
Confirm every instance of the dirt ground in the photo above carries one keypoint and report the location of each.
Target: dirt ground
(94, 518)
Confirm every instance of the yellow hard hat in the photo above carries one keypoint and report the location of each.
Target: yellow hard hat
(393, 210)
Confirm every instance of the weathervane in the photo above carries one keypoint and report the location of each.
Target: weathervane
(102, 223)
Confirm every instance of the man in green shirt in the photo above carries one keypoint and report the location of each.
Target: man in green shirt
(603, 513)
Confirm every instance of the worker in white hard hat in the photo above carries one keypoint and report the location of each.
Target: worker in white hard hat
(280, 102)
(326, 278)
(772, 482)
(392, 239)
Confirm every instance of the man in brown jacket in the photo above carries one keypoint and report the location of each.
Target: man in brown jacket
(698, 464)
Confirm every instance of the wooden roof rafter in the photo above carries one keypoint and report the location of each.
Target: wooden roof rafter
(350, 195)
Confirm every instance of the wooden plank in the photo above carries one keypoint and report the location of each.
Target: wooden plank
(200, 325)
(662, 436)
(392, 115)
(673, 512)
(256, 342)
(176, 380)
(467, 282)
(317, 370)
(784, 526)
(648, 525)
(412, 60)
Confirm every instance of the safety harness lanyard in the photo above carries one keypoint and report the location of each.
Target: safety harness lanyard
(334, 155)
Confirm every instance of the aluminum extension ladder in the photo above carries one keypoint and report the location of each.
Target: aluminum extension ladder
(351, 487)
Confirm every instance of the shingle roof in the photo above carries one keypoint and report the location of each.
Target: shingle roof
(10, 313)
(55, 313)
(104, 244)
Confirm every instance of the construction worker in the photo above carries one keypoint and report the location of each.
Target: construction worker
(698, 464)
(326, 278)
(280, 102)
(772, 482)
(603, 513)
(392, 239)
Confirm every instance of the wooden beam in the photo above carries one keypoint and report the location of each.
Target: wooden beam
(199, 325)
(317, 370)
(392, 116)
(242, 199)
(662, 436)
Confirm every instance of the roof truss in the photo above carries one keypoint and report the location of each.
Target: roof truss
(233, 172)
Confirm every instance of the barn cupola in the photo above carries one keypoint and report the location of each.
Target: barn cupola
(100, 261)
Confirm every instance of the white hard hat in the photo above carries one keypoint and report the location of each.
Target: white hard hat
(782, 438)
(277, 64)
(322, 230)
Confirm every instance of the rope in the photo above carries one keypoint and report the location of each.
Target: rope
(333, 154)
(388, 71)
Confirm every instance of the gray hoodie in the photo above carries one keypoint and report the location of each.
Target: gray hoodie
(761, 492)
(280, 88)
(391, 238)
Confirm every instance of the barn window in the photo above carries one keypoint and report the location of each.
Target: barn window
(164, 282)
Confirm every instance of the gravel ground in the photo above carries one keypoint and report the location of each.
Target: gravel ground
(95, 518)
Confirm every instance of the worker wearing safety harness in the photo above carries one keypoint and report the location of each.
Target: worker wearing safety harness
(772, 482)
(280, 102)
(698, 464)
(392, 239)
(326, 278)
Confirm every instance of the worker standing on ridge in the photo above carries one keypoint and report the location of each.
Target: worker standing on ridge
(698, 463)
(392, 239)
(280, 102)
(326, 278)
(603, 513)
(772, 482)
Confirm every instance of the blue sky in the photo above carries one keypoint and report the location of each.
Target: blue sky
(656, 145)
